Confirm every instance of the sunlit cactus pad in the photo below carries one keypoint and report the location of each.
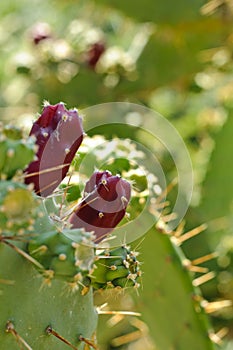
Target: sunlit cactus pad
(18, 208)
(15, 151)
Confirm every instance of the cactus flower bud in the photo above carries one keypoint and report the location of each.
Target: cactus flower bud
(116, 268)
(59, 134)
(103, 205)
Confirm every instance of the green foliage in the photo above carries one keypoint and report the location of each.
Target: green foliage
(158, 11)
(139, 56)
(217, 189)
(216, 207)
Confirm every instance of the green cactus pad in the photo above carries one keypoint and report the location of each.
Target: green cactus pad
(30, 306)
(63, 255)
(15, 151)
(170, 304)
(18, 208)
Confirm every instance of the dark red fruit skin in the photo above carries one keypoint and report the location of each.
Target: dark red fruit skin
(94, 53)
(58, 133)
(104, 204)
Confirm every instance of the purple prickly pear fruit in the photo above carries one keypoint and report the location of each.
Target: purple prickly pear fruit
(104, 204)
(58, 133)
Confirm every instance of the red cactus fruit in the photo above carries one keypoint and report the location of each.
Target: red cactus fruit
(103, 205)
(94, 53)
(58, 133)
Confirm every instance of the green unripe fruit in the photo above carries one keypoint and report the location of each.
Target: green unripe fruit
(116, 272)
(116, 268)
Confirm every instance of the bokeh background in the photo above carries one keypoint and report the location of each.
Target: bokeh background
(175, 57)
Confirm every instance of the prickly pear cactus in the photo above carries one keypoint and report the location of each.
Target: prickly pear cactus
(49, 265)
(37, 313)
(177, 312)
(55, 247)
(52, 309)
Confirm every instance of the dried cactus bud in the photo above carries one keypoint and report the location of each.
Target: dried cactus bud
(58, 133)
(104, 204)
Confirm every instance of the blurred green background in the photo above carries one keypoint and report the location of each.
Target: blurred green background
(173, 57)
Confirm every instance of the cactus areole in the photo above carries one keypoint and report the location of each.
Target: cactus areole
(58, 133)
(103, 205)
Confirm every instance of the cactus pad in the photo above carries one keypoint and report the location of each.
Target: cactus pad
(18, 208)
(29, 306)
(15, 151)
(62, 257)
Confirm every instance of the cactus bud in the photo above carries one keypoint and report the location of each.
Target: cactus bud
(59, 134)
(116, 268)
(103, 205)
